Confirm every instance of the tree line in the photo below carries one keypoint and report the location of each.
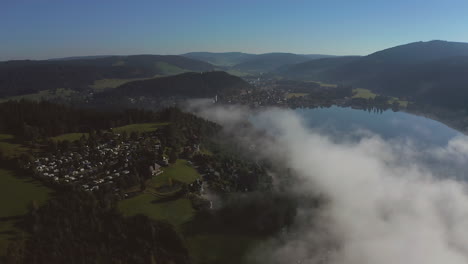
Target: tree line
(80, 227)
(32, 120)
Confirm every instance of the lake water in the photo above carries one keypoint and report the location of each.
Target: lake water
(388, 124)
(425, 135)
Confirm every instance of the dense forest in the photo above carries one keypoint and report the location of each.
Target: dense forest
(78, 227)
(24, 77)
(207, 84)
(32, 120)
(431, 72)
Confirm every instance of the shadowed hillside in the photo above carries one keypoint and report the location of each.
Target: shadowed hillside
(25, 77)
(429, 72)
(190, 84)
(220, 59)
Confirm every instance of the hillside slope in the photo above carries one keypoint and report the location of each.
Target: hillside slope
(207, 84)
(221, 58)
(314, 69)
(269, 62)
(432, 72)
(24, 77)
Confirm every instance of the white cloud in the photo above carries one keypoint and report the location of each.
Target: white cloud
(386, 205)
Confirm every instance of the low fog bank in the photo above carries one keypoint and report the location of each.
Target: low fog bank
(385, 203)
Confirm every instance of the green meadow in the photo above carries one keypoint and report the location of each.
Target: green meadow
(366, 94)
(69, 136)
(16, 194)
(141, 127)
(292, 95)
(176, 211)
(10, 148)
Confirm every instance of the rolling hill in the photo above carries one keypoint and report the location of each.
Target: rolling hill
(225, 59)
(190, 85)
(238, 62)
(269, 62)
(26, 77)
(314, 69)
(432, 72)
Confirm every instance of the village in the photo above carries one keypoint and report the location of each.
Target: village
(296, 94)
(119, 162)
(108, 160)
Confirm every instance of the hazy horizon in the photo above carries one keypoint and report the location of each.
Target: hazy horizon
(56, 29)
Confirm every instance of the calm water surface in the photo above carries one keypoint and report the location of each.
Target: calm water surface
(388, 124)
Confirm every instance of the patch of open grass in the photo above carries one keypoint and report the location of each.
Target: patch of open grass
(363, 93)
(43, 95)
(176, 212)
(141, 127)
(169, 69)
(180, 171)
(238, 73)
(401, 102)
(327, 84)
(291, 95)
(16, 194)
(102, 84)
(69, 136)
(11, 149)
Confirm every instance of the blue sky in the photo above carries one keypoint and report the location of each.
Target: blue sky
(38, 29)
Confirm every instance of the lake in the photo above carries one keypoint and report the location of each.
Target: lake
(426, 135)
(388, 124)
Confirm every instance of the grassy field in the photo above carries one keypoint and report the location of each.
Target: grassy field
(16, 194)
(100, 85)
(165, 68)
(141, 127)
(180, 171)
(291, 95)
(365, 93)
(238, 73)
(401, 102)
(169, 69)
(176, 212)
(69, 137)
(9, 148)
(43, 95)
(222, 246)
(327, 84)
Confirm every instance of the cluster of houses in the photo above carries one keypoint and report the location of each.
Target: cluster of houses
(258, 98)
(92, 167)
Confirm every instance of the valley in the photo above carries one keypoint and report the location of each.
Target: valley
(107, 136)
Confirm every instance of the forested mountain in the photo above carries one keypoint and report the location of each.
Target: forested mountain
(269, 62)
(221, 58)
(419, 52)
(318, 56)
(313, 69)
(207, 84)
(252, 62)
(429, 72)
(23, 77)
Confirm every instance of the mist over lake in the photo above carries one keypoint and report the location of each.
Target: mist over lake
(387, 124)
